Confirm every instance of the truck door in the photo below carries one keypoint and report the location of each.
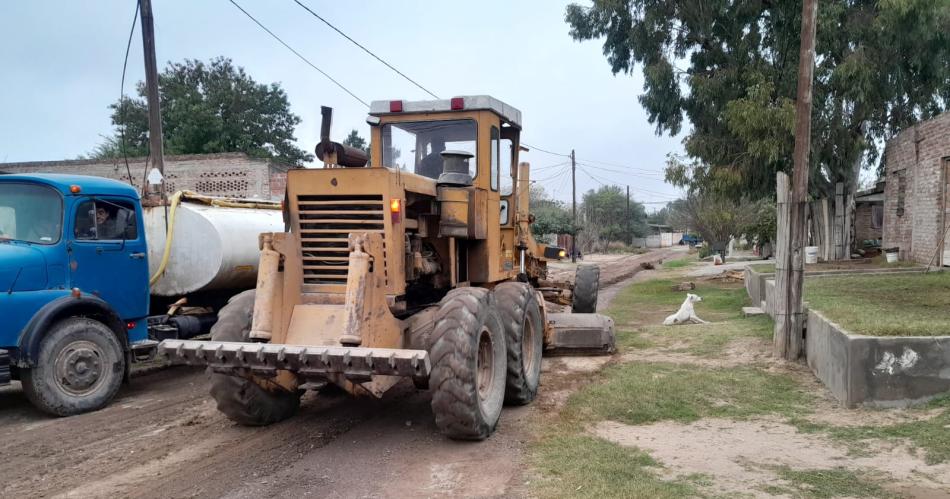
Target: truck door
(107, 254)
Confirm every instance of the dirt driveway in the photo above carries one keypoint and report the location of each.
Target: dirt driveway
(163, 437)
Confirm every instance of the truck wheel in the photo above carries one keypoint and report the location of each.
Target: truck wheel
(586, 284)
(79, 368)
(524, 334)
(240, 399)
(468, 364)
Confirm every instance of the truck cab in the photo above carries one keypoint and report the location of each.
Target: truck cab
(74, 290)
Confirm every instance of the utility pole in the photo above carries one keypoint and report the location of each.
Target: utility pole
(789, 263)
(574, 207)
(156, 152)
(627, 215)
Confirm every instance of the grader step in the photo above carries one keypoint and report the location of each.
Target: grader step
(308, 361)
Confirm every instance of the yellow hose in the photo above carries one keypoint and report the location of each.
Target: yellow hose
(175, 201)
(211, 201)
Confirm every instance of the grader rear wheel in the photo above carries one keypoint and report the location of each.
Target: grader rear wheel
(586, 285)
(241, 399)
(468, 365)
(521, 316)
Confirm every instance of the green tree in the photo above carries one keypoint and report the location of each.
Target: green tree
(717, 218)
(209, 108)
(550, 215)
(605, 218)
(729, 67)
(354, 140)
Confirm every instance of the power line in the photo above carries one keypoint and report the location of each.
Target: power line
(548, 167)
(544, 150)
(633, 173)
(608, 182)
(368, 51)
(304, 59)
(559, 173)
(626, 171)
(125, 65)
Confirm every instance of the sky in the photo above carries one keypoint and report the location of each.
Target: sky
(61, 65)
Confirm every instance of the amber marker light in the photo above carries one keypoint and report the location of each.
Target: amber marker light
(395, 209)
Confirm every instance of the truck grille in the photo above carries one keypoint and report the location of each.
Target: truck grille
(326, 222)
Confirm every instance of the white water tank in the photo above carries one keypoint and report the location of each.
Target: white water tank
(213, 247)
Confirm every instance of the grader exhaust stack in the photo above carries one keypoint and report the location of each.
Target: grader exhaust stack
(422, 266)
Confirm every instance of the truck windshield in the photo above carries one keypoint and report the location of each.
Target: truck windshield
(31, 213)
(417, 146)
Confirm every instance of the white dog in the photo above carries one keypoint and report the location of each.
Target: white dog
(686, 313)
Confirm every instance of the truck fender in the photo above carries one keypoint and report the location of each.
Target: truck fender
(61, 308)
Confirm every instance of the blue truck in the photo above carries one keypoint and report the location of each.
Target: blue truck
(75, 286)
(74, 290)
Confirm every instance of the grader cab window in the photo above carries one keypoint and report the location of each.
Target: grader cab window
(417, 146)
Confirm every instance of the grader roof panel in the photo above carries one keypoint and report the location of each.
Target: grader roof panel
(464, 103)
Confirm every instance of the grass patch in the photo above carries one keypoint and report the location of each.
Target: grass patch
(583, 466)
(707, 340)
(676, 264)
(763, 268)
(932, 436)
(827, 483)
(655, 298)
(884, 305)
(639, 393)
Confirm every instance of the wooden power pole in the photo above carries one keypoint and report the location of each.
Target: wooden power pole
(627, 217)
(156, 151)
(574, 207)
(788, 341)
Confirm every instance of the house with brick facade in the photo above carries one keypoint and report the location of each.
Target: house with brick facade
(235, 175)
(916, 201)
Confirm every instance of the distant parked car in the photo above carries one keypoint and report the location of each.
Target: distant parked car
(691, 240)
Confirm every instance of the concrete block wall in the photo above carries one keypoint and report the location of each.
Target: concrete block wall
(227, 174)
(916, 158)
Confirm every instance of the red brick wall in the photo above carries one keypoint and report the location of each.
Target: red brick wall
(226, 174)
(278, 184)
(916, 155)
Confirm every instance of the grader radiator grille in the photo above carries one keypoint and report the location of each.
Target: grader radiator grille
(326, 222)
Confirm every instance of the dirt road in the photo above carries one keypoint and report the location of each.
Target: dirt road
(163, 437)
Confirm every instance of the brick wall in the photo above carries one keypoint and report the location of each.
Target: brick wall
(914, 160)
(228, 174)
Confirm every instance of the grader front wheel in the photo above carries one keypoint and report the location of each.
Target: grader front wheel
(241, 399)
(468, 364)
(586, 285)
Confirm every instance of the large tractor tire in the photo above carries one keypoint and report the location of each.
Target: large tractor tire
(586, 285)
(468, 364)
(524, 333)
(240, 399)
(79, 369)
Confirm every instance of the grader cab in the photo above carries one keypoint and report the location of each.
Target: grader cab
(419, 266)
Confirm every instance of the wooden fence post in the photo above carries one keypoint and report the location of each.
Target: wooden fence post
(839, 221)
(787, 342)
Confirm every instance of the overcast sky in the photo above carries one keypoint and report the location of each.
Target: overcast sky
(61, 63)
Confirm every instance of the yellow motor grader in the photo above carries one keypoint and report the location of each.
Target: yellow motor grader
(419, 266)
